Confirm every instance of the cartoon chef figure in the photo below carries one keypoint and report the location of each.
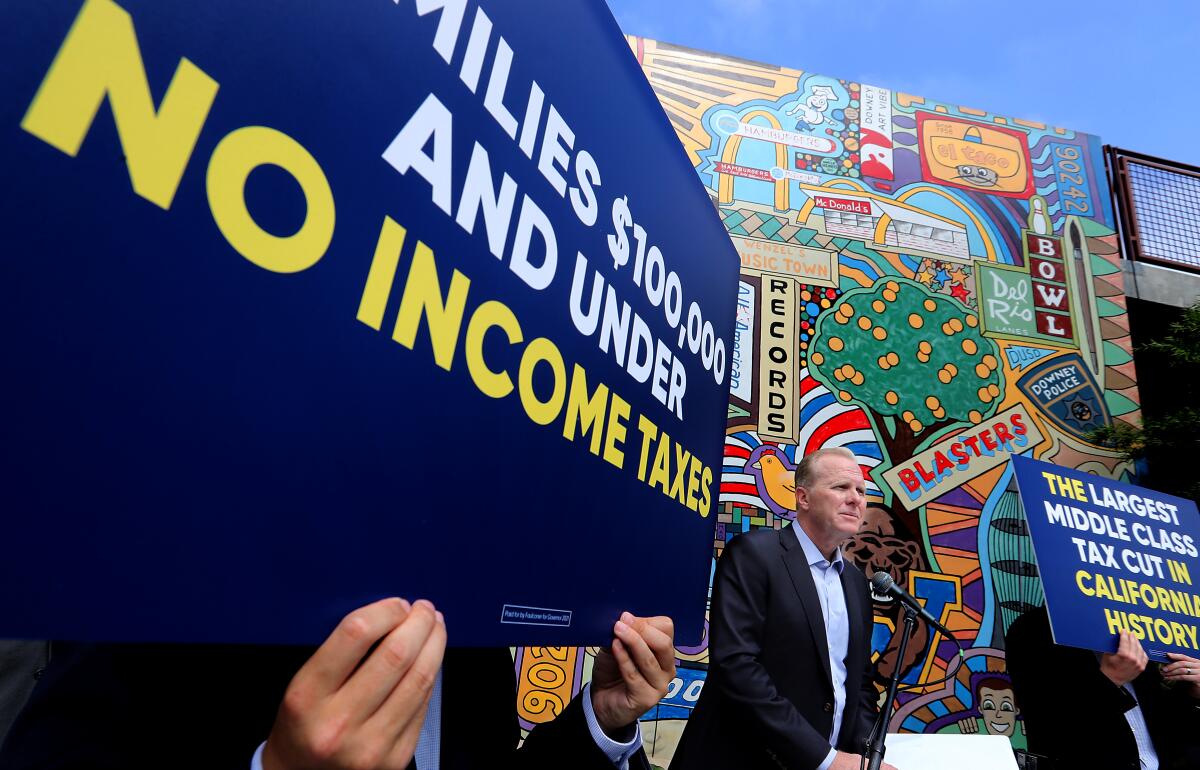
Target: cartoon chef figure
(812, 111)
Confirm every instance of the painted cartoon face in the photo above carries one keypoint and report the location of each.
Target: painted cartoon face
(977, 175)
(817, 102)
(831, 508)
(999, 712)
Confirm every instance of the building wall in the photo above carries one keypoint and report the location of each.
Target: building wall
(934, 287)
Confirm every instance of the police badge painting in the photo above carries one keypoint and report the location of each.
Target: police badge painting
(1067, 394)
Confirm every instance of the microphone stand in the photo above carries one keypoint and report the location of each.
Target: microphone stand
(875, 748)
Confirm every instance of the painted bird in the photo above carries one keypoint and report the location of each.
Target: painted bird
(779, 481)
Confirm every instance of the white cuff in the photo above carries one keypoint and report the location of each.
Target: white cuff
(617, 753)
(256, 760)
(832, 755)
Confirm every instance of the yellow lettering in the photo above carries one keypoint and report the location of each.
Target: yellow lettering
(490, 314)
(693, 483)
(236, 156)
(1115, 620)
(705, 498)
(649, 432)
(100, 58)
(423, 296)
(618, 412)
(382, 273)
(1080, 577)
(539, 350)
(583, 410)
(660, 475)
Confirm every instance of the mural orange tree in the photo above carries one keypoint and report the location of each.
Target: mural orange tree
(928, 367)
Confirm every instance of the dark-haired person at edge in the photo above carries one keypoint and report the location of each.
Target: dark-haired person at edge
(1103, 711)
(378, 693)
(790, 678)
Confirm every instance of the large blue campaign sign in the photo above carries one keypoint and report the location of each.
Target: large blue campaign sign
(310, 304)
(1113, 557)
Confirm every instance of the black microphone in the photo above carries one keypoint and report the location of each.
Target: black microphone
(883, 585)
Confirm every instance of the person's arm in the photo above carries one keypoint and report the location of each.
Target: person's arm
(739, 609)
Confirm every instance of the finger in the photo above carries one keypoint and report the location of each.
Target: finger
(629, 670)
(1125, 644)
(662, 623)
(643, 656)
(338, 656)
(1139, 653)
(408, 700)
(1177, 670)
(660, 641)
(405, 746)
(379, 674)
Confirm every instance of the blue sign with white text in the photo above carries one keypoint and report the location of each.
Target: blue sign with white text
(1113, 557)
(309, 305)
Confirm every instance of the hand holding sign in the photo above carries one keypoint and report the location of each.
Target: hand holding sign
(1124, 665)
(360, 699)
(634, 675)
(1185, 670)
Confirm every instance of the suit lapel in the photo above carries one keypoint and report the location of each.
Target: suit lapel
(802, 580)
(854, 613)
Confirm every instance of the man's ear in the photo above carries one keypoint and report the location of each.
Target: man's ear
(802, 499)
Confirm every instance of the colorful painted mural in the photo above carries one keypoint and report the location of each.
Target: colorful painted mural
(935, 288)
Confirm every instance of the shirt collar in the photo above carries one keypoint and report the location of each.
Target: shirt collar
(813, 555)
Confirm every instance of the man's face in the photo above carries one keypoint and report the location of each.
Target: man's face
(831, 508)
(999, 713)
(875, 547)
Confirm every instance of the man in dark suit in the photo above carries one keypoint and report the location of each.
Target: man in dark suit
(359, 701)
(789, 681)
(1111, 711)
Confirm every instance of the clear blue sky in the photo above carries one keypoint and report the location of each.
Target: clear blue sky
(1126, 71)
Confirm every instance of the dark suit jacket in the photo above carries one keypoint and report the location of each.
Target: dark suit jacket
(1076, 716)
(768, 698)
(129, 707)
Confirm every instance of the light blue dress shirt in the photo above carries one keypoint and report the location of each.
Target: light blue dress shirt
(827, 576)
(429, 741)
